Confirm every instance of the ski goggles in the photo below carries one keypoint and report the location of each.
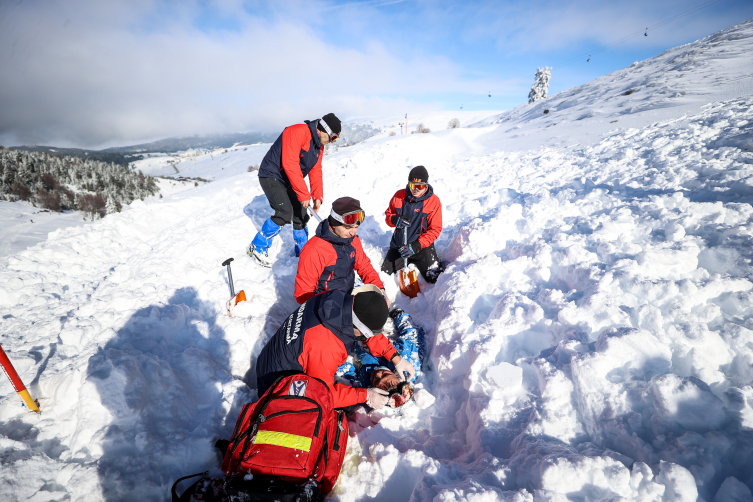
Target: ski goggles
(400, 395)
(351, 218)
(332, 135)
(417, 186)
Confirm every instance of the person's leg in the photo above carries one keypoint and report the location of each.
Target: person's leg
(392, 262)
(410, 341)
(300, 219)
(278, 200)
(427, 262)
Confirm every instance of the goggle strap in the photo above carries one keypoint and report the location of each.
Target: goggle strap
(365, 331)
(327, 129)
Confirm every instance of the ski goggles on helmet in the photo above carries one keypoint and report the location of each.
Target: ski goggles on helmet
(400, 395)
(351, 218)
(332, 135)
(417, 185)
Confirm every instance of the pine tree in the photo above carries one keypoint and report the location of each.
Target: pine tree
(540, 87)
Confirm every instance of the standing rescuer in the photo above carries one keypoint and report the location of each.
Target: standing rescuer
(296, 153)
(333, 256)
(419, 209)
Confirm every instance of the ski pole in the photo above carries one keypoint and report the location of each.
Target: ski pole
(17, 383)
(226, 263)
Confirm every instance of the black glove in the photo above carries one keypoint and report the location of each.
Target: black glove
(410, 249)
(400, 221)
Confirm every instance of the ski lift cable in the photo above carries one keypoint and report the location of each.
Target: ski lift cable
(638, 33)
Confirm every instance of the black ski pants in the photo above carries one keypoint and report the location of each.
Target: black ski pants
(426, 261)
(283, 199)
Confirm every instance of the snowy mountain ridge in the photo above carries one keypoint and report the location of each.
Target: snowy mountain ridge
(591, 339)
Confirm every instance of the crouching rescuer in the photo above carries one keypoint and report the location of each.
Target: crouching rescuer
(296, 153)
(418, 209)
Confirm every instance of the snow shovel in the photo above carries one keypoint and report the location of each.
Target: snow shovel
(234, 299)
(408, 277)
(316, 215)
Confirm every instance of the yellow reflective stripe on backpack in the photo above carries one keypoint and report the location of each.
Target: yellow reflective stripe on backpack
(283, 439)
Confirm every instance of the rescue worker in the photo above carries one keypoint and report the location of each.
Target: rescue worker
(296, 153)
(418, 209)
(331, 258)
(317, 338)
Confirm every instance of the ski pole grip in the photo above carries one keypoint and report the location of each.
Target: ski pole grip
(227, 262)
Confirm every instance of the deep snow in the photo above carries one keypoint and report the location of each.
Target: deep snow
(591, 339)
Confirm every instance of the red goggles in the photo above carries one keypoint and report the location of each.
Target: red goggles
(417, 186)
(400, 395)
(351, 218)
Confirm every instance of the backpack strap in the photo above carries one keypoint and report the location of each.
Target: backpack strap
(173, 491)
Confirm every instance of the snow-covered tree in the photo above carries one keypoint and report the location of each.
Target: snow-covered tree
(453, 124)
(540, 87)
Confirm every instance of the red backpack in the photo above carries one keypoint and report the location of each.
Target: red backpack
(293, 432)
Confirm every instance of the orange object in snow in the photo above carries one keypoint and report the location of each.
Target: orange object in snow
(17, 383)
(234, 299)
(409, 282)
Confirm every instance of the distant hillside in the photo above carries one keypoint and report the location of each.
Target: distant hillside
(108, 157)
(211, 142)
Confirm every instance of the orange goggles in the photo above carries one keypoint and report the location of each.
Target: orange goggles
(417, 186)
(351, 218)
(400, 395)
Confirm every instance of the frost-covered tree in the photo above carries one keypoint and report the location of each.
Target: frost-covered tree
(453, 124)
(540, 87)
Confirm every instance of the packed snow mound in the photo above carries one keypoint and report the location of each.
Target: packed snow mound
(591, 338)
(678, 81)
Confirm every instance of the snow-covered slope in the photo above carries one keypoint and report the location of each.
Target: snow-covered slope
(591, 339)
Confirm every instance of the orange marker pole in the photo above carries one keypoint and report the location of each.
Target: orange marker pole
(17, 383)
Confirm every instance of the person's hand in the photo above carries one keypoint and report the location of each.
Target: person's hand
(407, 251)
(402, 222)
(377, 398)
(317, 205)
(305, 203)
(404, 366)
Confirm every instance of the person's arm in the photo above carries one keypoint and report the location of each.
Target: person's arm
(295, 138)
(315, 256)
(364, 267)
(379, 346)
(322, 354)
(434, 222)
(396, 203)
(315, 180)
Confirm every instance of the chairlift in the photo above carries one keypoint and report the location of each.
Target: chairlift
(589, 59)
(646, 34)
(461, 107)
(490, 94)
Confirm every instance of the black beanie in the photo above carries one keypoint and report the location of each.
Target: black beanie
(371, 309)
(341, 206)
(332, 122)
(418, 174)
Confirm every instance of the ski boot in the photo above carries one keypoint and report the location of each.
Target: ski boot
(259, 248)
(300, 237)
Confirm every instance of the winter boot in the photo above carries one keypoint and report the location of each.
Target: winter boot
(259, 249)
(300, 237)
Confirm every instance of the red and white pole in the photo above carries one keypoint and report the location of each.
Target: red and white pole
(17, 383)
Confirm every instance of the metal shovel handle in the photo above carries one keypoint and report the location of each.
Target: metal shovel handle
(315, 214)
(226, 263)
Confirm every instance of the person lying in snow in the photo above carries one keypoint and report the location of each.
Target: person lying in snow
(417, 208)
(296, 153)
(378, 372)
(317, 338)
(330, 259)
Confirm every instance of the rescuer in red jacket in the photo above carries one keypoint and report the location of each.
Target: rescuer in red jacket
(330, 259)
(296, 153)
(417, 208)
(317, 338)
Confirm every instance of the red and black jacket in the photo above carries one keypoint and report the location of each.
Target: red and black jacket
(295, 154)
(329, 262)
(425, 213)
(316, 339)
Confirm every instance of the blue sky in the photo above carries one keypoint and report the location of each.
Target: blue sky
(95, 74)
